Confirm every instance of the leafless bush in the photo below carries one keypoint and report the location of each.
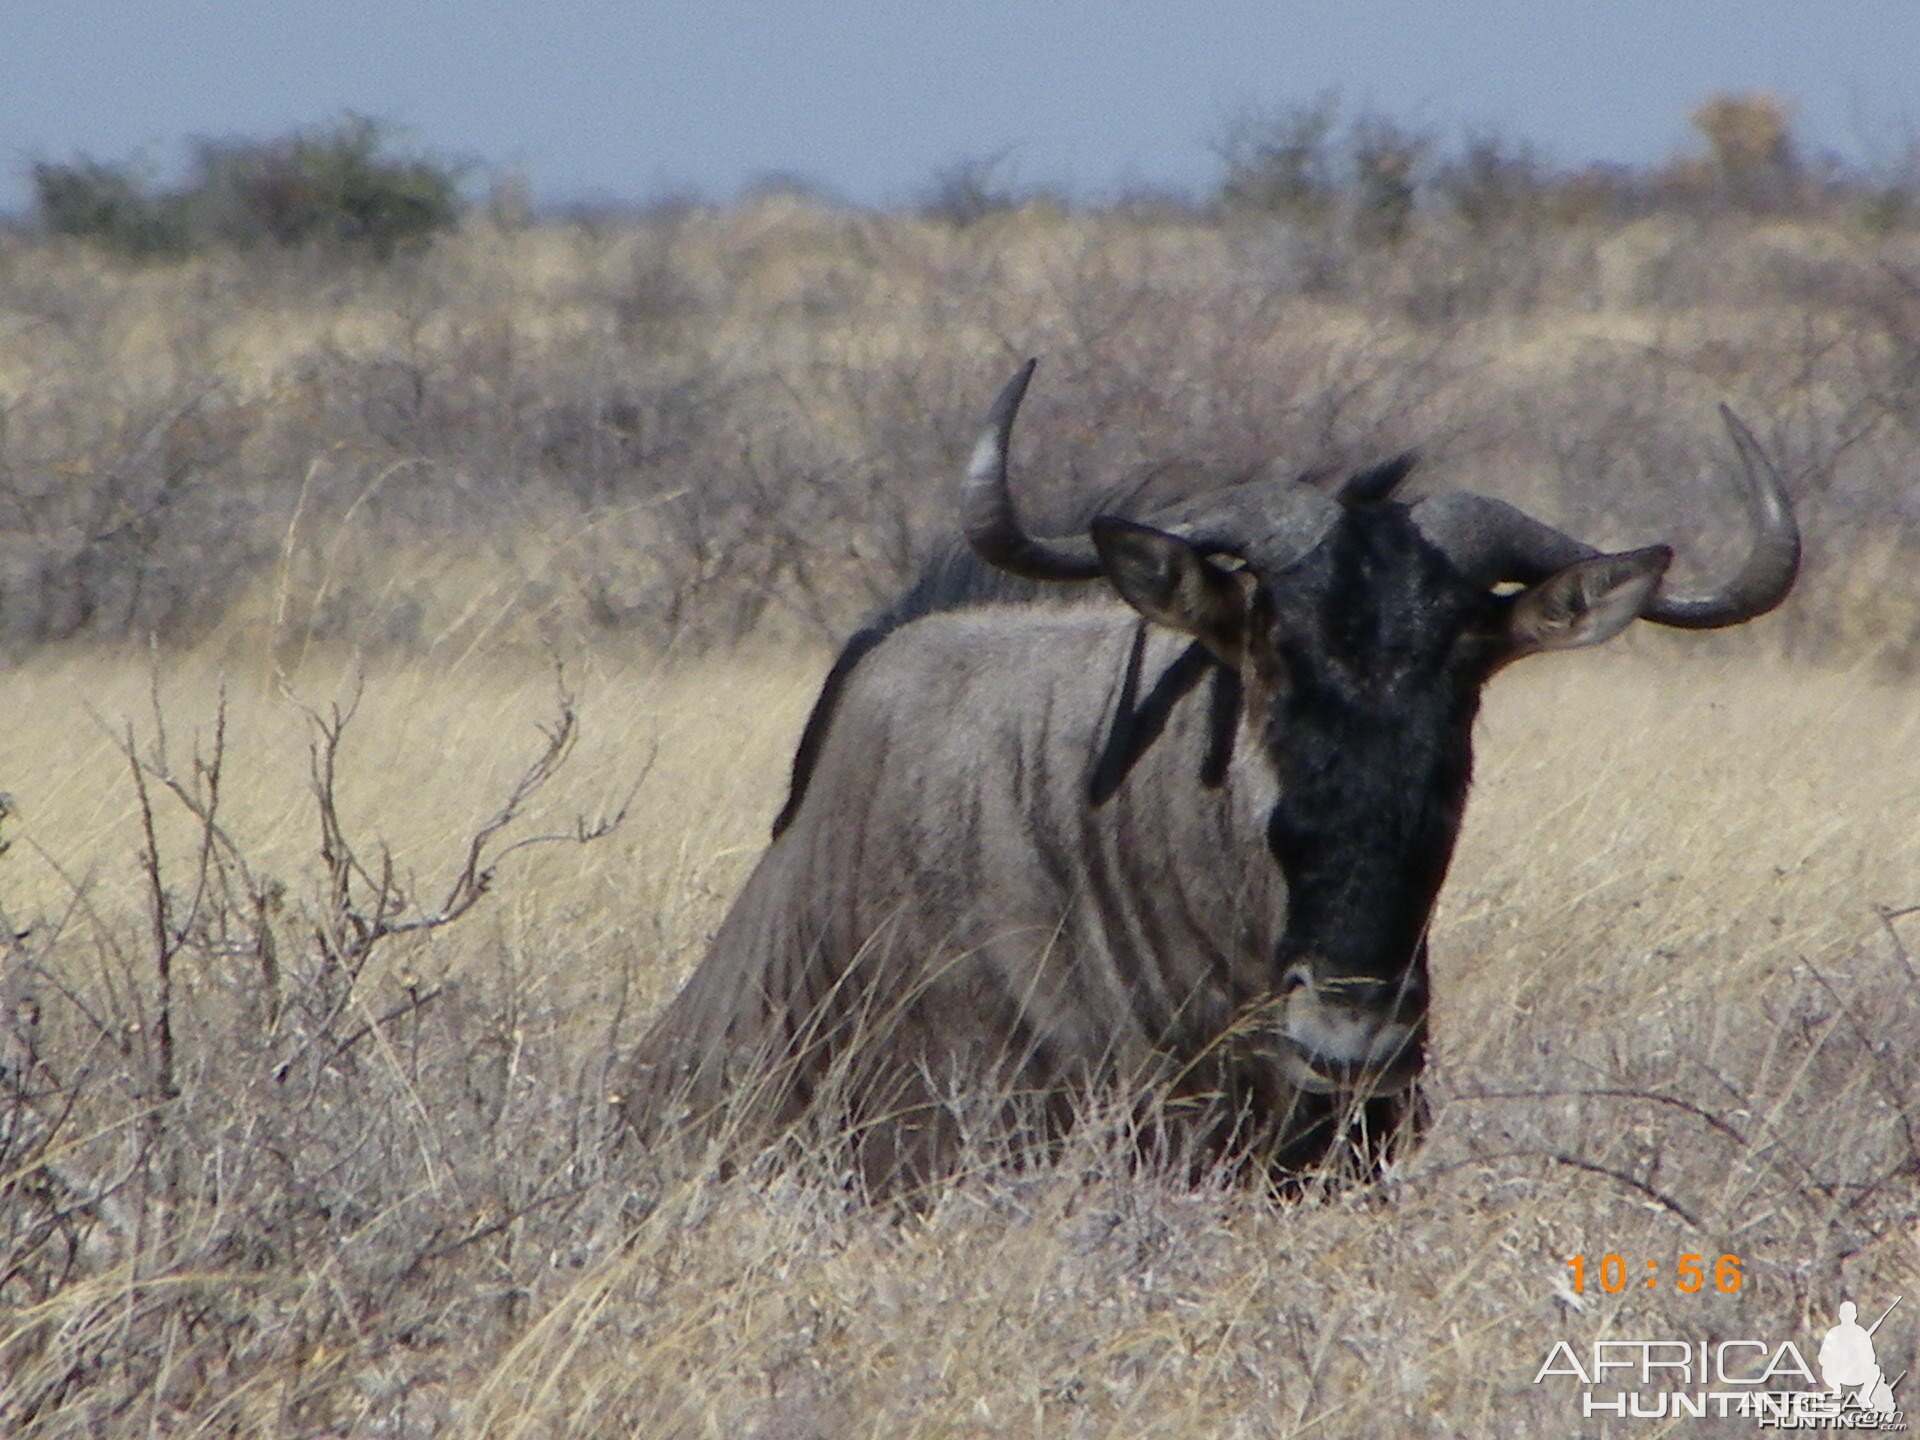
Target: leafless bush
(1283, 161)
(1493, 185)
(260, 1144)
(125, 526)
(966, 191)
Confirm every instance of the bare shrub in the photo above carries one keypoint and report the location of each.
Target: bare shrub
(1387, 158)
(966, 191)
(125, 527)
(258, 1144)
(1494, 185)
(1282, 161)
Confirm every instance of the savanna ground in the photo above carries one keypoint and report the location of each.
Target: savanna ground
(403, 668)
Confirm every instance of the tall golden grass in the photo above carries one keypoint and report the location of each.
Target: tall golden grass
(377, 1188)
(1669, 1019)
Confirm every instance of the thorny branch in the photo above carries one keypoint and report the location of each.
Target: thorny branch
(366, 903)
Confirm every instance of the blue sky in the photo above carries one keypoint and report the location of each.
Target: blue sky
(870, 99)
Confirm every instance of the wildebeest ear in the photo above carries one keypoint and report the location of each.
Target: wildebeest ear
(1172, 583)
(1586, 603)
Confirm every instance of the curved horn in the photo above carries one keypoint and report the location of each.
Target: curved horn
(1771, 565)
(1273, 522)
(1489, 541)
(986, 505)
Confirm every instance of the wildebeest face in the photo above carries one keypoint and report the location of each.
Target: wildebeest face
(1361, 664)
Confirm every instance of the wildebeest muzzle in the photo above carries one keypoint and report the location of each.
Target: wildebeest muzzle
(1353, 1034)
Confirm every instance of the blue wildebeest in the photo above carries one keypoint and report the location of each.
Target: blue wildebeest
(1179, 840)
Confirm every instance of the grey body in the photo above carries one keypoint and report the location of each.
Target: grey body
(948, 896)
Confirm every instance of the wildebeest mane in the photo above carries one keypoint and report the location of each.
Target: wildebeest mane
(953, 578)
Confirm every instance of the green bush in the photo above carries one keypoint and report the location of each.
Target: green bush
(108, 203)
(335, 189)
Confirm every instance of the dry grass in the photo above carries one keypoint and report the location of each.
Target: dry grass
(704, 427)
(309, 1157)
(1669, 1020)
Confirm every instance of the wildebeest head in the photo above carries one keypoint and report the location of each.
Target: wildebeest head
(1359, 631)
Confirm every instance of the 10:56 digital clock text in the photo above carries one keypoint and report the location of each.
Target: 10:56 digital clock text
(1690, 1272)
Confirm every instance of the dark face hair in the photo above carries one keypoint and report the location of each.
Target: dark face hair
(1365, 661)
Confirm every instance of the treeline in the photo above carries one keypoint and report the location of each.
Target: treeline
(351, 187)
(695, 425)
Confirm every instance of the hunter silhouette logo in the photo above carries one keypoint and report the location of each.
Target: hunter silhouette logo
(1847, 1362)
